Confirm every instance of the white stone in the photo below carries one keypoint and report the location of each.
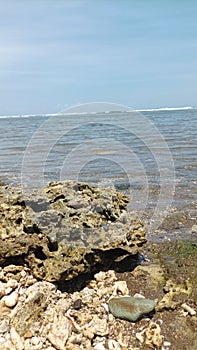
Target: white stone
(98, 326)
(4, 326)
(105, 306)
(59, 331)
(138, 295)
(35, 340)
(121, 287)
(11, 299)
(10, 286)
(188, 308)
(8, 290)
(12, 283)
(16, 339)
(23, 273)
(100, 276)
(99, 346)
(194, 228)
(166, 343)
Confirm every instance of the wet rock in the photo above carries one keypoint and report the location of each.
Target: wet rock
(130, 308)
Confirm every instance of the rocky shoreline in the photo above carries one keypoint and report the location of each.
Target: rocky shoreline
(69, 248)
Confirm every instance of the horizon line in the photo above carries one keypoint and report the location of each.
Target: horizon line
(107, 111)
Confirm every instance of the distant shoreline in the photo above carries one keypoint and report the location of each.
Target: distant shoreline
(104, 112)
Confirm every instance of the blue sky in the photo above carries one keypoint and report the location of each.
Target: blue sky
(58, 53)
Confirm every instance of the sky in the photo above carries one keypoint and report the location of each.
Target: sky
(59, 53)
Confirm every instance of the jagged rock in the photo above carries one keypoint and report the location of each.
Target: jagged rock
(26, 314)
(66, 229)
(59, 331)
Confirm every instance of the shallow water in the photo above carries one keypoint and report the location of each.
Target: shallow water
(150, 155)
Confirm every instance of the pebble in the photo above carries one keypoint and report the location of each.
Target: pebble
(194, 228)
(2, 339)
(121, 287)
(188, 308)
(11, 299)
(166, 343)
(130, 308)
(4, 326)
(99, 346)
(35, 340)
(28, 334)
(12, 283)
(100, 276)
(77, 304)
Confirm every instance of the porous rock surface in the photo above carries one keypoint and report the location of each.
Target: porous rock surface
(36, 314)
(66, 229)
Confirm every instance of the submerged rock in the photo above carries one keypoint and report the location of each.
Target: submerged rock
(130, 308)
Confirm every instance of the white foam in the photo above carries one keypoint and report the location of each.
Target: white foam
(94, 113)
(165, 109)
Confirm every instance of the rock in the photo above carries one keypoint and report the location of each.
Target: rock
(153, 337)
(27, 314)
(66, 228)
(99, 346)
(16, 339)
(77, 304)
(172, 296)
(100, 276)
(2, 289)
(121, 287)
(12, 284)
(194, 228)
(4, 326)
(98, 326)
(130, 308)
(11, 299)
(7, 345)
(187, 308)
(59, 331)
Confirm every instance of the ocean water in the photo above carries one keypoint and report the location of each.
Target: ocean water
(151, 155)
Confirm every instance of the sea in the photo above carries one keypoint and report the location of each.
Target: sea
(150, 155)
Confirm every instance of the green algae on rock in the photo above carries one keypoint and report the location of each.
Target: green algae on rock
(130, 308)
